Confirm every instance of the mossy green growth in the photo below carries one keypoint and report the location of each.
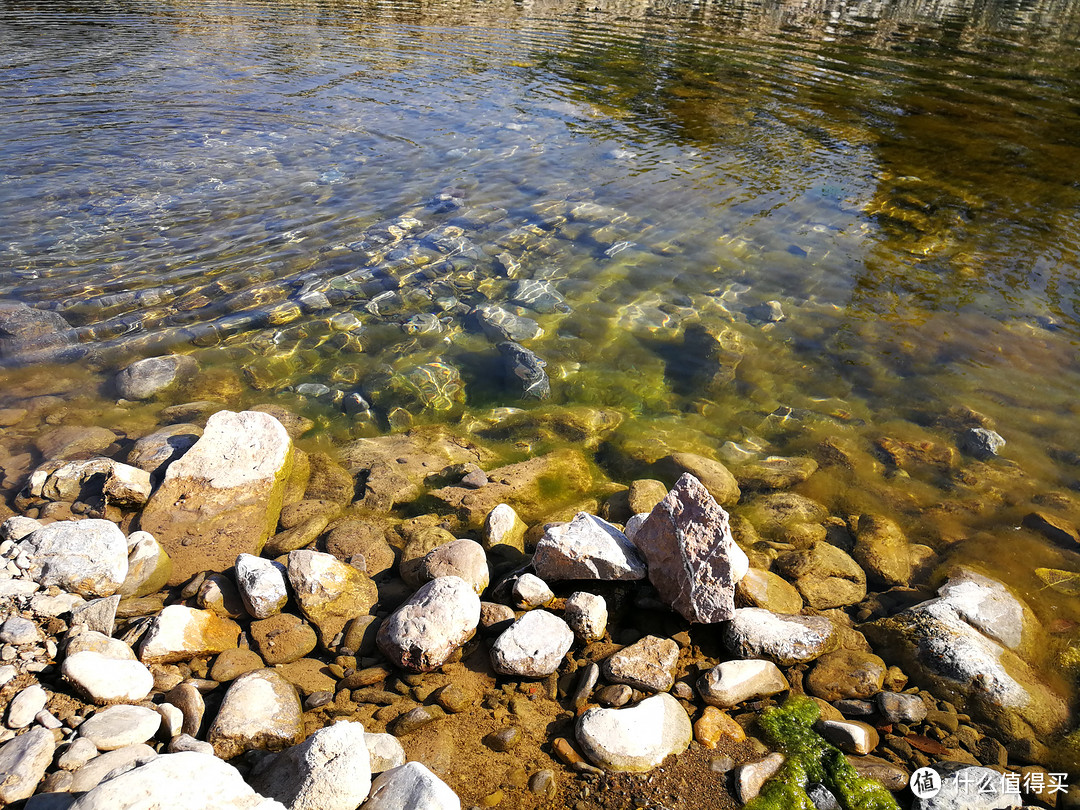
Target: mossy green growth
(811, 759)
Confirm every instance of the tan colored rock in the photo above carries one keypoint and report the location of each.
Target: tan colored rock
(503, 531)
(223, 497)
(846, 674)
(646, 664)
(715, 725)
(260, 710)
(764, 589)
(713, 475)
(882, 550)
(330, 593)
(826, 576)
(181, 633)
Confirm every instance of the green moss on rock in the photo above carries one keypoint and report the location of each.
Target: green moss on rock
(811, 759)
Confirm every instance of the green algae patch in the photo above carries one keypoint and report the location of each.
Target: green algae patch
(811, 759)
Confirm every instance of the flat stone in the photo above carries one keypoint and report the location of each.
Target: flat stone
(155, 451)
(587, 547)
(260, 710)
(692, 558)
(167, 783)
(23, 762)
(73, 440)
(120, 726)
(330, 770)
(784, 640)
(95, 641)
(181, 633)
(105, 679)
(261, 583)
(587, 615)
(25, 706)
(29, 331)
(223, 496)
(330, 593)
(899, 708)
(733, 682)
(981, 443)
(533, 646)
(425, 631)
(775, 472)
(87, 557)
(411, 786)
(646, 664)
(635, 739)
(145, 379)
(283, 638)
(94, 771)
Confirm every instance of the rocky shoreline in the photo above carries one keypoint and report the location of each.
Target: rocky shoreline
(414, 619)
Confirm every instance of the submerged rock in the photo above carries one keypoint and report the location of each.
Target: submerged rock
(981, 443)
(224, 496)
(525, 371)
(501, 324)
(145, 379)
(692, 559)
(28, 331)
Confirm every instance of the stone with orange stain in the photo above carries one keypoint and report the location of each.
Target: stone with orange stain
(181, 633)
(715, 725)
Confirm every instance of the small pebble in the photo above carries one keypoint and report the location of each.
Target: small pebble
(503, 740)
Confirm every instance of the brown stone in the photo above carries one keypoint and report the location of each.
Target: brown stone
(713, 475)
(764, 589)
(846, 674)
(282, 638)
(231, 664)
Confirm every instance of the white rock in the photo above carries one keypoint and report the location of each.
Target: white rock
(185, 742)
(23, 761)
(14, 588)
(87, 557)
(95, 770)
(587, 547)
(460, 558)
(330, 770)
(172, 720)
(83, 640)
(47, 719)
(260, 710)
(17, 630)
(781, 638)
(529, 591)
(120, 726)
(25, 705)
(633, 524)
(587, 615)
(77, 753)
(411, 787)
(167, 783)
(750, 778)
(533, 646)
(262, 585)
(106, 680)
(503, 530)
(636, 739)
(436, 620)
(16, 528)
(7, 674)
(850, 736)
(385, 752)
(181, 633)
(733, 682)
(693, 560)
(46, 606)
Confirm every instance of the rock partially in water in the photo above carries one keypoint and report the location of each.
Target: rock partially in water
(261, 710)
(525, 371)
(411, 786)
(533, 646)
(775, 473)
(145, 379)
(224, 496)
(970, 646)
(167, 782)
(846, 674)
(504, 532)
(155, 451)
(330, 770)
(764, 589)
(825, 576)
(95, 478)
(713, 475)
(38, 334)
(87, 557)
(635, 739)
(692, 559)
(587, 547)
(425, 631)
(501, 324)
(882, 550)
(784, 640)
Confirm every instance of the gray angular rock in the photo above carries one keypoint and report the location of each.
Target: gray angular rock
(411, 787)
(98, 615)
(732, 682)
(262, 585)
(635, 739)
(155, 451)
(587, 547)
(425, 631)
(69, 481)
(260, 710)
(146, 378)
(87, 557)
(23, 762)
(981, 443)
(95, 770)
(33, 332)
(167, 783)
(783, 639)
(533, 646)
(692, 558)
(525, 371)
(330, 770)
(646, 664)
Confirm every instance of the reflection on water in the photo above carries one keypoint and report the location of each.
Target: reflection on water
(774, 224)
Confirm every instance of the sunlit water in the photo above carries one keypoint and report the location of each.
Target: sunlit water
(321, 193)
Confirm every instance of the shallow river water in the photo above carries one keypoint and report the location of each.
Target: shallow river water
(772, 224)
